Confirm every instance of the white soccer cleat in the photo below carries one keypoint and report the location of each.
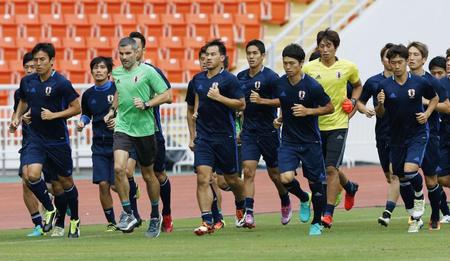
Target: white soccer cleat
(445, 219)
(419, 208)
(58, 232)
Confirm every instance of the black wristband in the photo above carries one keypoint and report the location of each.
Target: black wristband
(146, 106)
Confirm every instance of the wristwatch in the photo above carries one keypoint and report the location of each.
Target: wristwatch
(353, 101)
(147, 105)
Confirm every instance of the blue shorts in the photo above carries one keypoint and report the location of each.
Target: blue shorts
(256, 145)
(160, 158)
(412, 152)
(309, 154)
(220, 154)
(56, 157)
(432, 157)
(443, 168)
(218, 171)
(383, 154)
(49, 174)
(102, 163)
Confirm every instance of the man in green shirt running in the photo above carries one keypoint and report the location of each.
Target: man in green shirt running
(139, 88)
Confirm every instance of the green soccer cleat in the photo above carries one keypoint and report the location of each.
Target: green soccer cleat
(74, 229)
(49, 220)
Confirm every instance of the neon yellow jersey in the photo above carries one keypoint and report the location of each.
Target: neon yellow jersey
(334, 81)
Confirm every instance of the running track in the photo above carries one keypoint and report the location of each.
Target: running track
(13, 214)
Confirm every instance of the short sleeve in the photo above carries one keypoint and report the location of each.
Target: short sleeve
(235, 88)
(354, 74)
(319, 95)
(190, 94)
(369, 89)
(68, 92)
(272, 83)
(21, 92)
(429, 91)
(85, 110)
(16, 99)
(156, 81)
(440, 90)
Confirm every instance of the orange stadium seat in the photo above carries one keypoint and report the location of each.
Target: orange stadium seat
(100, 46)
(91, 7)
(173, 47)
(152, 47)
(26, 43)
(249, 27)
(230, 6)
(8, 26)
(114, 6)
(69, 6)
(151, 25)
(8, 49)
(55, 25)
(5, 77)
(279, 11)
(158, 6)
(191, 67)
(74, 70)
(57, 43)
(137, 7)
(30, 25)
(104, 24)
(252, 7)
(224, 26)
(181, 6)
(76, 46)
(125, 24)
(206, 6)
(22, 7)
(173, 70)
(79, 24)
(16, 66)
(46, 7)
(194, 44)
(199, 25)
(176, 24)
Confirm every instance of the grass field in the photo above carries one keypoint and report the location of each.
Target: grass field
(355, 235)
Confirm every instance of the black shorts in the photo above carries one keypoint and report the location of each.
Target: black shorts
(333, 146)
(145, 147)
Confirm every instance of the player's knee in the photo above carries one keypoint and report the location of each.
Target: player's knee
(231, 180)
(332, 171)
(104, 186)
(444, 181)
(33, 176)
(119, 170)
(431, 181)
(287, 178)
(249, 174)
(161, 176)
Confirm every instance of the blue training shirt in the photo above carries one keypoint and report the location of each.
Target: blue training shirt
(54, 94)
(190, 94)
(215, 120)
(25, 127)
(95, 104)
(370, 89)
(258, 118)
(401, 105)
(444, 131)
(310, 94)
(433, 120)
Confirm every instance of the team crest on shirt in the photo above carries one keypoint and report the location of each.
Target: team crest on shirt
(338, 75)
(110, 98)
(411, 93)
(215, 85)
(301, 95)
(257, 85)
(48, 90)
(136, 79)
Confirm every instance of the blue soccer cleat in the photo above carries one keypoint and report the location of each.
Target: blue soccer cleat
(305, 213)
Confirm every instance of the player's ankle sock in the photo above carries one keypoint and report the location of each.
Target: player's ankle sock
(215, 211)
(126, 207)
(39, 189)
(37, 219)
(165, 196)
(61, 206)
(317, 201)
(416, 181)
(443, 206)
(72, 201)
(329, 209)
(407, 193)
(390, 206)
(285, 201)
(434, 195)
(239, 204)
(249, 205)
(207, 217)
(294, 188)
(155, 209)
(349, 187)
(109, 214)
(132, 197)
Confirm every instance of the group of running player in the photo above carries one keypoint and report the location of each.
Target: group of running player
(316, 102)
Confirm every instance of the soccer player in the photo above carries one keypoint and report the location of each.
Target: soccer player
(95, 104)
(334, 74)
(139, 88)
(258, 135)
(52, 100)
(302, 100)
(443, 170)
(418, 54)
(370, 90)
(437, 67)
(219, 95)
(159, 166)
(400, 98)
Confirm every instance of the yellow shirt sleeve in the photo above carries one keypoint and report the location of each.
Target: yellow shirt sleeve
(354, 74)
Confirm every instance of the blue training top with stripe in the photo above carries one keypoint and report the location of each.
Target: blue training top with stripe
(444, 131)
(309, 93)
(215, 120)
(258, 118)
(401, 104)
(433, 120)
(54, 94)
(370, 90)
(95, 104)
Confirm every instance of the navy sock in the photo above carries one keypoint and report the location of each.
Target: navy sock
(165, 196)
(132, 197)
(329, 209)
(109, 214)
(390, 206)
(324, 185)
(37, 219)
(214, 207)
(444, 207)
(407, 193)
(317, 201)
(285, 201)
(61, 206)
(294, 188)
(207, 217)
(126, 206)
(434, 194)
(239, 204)
(249, 205)
(39, 189)
(72, 201)
(349, 188)
(416, 181)
(155, 209)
